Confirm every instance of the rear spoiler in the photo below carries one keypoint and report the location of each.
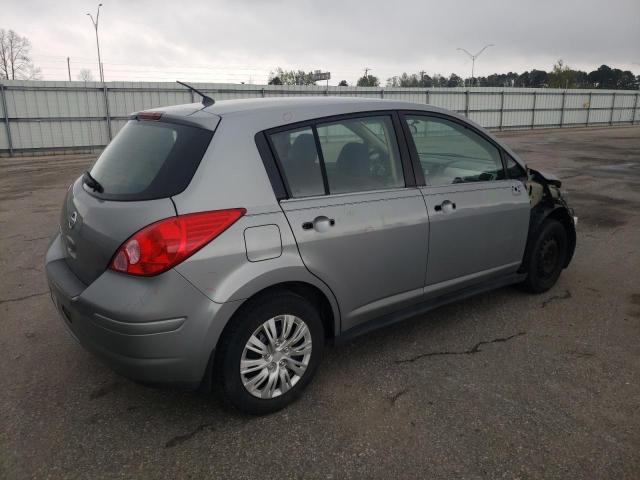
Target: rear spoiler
(206, 121)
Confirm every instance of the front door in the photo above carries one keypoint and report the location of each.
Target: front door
(359, 228)
(479, 219)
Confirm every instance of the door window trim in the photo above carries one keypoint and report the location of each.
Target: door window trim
(414, 151)
(280, 188)
(275, 170)
(323, 167)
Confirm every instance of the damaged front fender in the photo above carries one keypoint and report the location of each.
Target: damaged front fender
(547, 201)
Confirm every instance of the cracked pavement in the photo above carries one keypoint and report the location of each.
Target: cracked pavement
(470, 351)
(505, 384)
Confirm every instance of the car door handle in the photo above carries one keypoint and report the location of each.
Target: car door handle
(446, 207)
(319, 224)
(516, 189)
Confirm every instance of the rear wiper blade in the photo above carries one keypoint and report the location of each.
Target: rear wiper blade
(92, 182)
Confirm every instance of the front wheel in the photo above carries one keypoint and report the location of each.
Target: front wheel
(270, 353)
(547, 257)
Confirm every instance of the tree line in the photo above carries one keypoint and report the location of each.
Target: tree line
(561, 76)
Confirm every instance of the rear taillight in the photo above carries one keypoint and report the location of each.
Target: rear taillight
(164, 244)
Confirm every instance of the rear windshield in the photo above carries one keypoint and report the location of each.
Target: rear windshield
(149, 160)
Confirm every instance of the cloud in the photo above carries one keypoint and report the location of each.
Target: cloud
(242, 40)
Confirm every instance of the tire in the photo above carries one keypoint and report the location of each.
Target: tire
(279, 359)
(547, 257)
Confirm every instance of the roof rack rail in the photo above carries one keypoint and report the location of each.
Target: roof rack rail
(206, 100)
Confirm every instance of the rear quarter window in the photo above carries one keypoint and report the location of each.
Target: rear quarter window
(149, 160)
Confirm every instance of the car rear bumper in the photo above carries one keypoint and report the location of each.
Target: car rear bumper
(157, 330)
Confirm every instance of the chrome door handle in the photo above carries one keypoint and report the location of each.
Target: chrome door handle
(446, 207)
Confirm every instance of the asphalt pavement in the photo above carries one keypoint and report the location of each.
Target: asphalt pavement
(503, 385)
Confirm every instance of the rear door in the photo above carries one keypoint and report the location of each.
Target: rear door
(145, 164)
(360, 223)
(478, 218)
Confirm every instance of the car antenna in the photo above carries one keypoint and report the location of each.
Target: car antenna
(206, 100)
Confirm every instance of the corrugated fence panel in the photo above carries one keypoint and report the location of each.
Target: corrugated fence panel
(367, 92)
(59, 134)
(577, 108)
(4, 142)
(578, 100)
(551, 100)
(230, 91)
(575, 117)
(599, 116)
(599, 100)
(484, 108)
(485, 101)
(405, 95)
(623, 115)
(486, 119)
(451, 99)
(66, 115)
(625, 100)
(624, 108)
(548, 108)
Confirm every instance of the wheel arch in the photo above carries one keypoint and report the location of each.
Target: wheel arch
(308, 291)
(538, 216)
(301, 283)
(315, 291)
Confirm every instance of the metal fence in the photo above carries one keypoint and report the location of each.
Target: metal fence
(41, 117)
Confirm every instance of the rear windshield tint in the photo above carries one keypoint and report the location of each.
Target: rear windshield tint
(149, 160)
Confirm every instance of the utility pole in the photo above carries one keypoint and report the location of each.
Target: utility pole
(366, 75)
(69, 68)
(95, 25)
(473, 58)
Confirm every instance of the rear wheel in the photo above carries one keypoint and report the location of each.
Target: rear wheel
(270, 353)
(546, 258)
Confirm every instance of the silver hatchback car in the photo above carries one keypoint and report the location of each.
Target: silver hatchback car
(229, 242)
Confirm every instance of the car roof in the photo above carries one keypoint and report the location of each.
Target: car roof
(339, 104)
(258, 114)
(266, 113)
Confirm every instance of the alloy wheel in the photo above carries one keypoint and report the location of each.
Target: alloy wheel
(276, 356)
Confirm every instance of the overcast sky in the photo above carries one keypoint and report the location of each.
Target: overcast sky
(242, 40)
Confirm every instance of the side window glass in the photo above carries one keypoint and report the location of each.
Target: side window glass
(361, 154)
(514, 169)
(450, 153)
(298, 157)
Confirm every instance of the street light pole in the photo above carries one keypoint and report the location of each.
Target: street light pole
(473, 57)
(95, 25)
